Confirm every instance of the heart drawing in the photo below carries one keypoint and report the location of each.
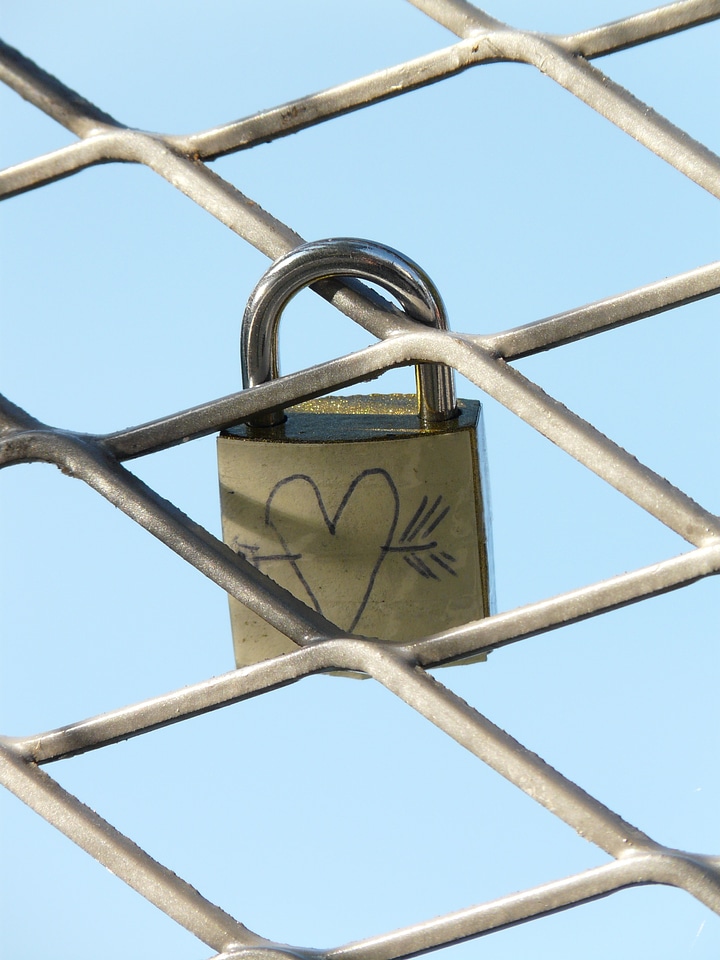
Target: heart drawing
(357, 536)
(335, 559)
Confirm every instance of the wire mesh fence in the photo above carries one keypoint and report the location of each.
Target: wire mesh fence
(485, 360)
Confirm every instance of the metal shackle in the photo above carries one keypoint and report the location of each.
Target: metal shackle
(343, 257)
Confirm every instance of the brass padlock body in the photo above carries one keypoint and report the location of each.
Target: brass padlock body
(371, 518)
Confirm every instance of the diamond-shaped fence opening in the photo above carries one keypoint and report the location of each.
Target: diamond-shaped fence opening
(603, 483)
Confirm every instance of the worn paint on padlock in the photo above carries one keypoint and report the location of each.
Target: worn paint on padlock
(371, 518)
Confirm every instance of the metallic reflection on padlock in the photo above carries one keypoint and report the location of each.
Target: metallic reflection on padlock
(370, 509)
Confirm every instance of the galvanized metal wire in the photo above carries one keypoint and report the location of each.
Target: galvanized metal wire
(486, 361)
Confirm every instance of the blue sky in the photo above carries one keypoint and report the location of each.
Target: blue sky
(329, 811)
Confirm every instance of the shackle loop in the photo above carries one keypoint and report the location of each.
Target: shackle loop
(343, 257)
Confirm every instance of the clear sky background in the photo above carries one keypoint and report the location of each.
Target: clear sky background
(329, 811)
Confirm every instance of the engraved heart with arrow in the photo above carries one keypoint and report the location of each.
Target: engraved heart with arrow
(335, 558)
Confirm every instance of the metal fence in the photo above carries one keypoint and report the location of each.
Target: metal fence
(485, 360)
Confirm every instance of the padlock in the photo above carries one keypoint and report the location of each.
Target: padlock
(373, 510)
